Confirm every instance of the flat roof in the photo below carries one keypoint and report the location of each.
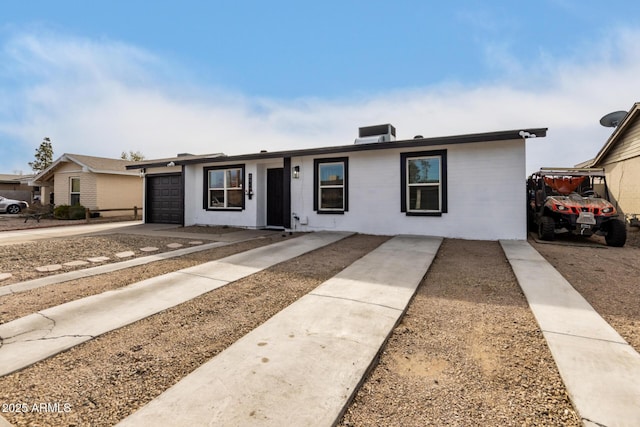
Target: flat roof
(407, 143)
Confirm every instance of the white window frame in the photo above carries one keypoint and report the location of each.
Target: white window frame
(318, 164)
(225, 188)
(322, 187)
(422, 184)
(73, 193)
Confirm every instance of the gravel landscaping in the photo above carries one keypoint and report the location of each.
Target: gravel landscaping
(108, 378)
(467, 352)
(21, 260)
(24, 303)
(608, 278)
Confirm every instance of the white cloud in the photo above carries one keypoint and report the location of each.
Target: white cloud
(102, 98)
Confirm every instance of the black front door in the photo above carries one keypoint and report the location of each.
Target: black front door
(275, 199)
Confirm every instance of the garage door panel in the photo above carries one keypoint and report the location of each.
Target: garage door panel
(164, 199)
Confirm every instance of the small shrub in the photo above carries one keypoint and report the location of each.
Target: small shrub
(69, 212)
(77, 212)
(61, 212)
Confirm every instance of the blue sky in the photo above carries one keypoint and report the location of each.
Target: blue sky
(162, 77)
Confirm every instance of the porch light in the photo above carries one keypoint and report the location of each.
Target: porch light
(296, 172)
(143, 172)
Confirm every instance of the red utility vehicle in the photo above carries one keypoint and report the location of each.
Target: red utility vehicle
(574, 201)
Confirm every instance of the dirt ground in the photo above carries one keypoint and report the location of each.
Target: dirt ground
(608, 278)
(108, 378)
(467, 352)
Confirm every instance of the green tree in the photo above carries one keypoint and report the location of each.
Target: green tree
(133, 156)
(43, 157)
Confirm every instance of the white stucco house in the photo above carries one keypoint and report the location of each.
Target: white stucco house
(465, 186)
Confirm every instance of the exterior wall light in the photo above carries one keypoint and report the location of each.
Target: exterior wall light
(296, 172)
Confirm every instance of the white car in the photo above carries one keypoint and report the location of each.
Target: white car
(12, 206)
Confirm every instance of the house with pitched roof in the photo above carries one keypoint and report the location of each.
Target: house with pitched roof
(464, 186)
(94, 182)
(17, 187)
(620, 158)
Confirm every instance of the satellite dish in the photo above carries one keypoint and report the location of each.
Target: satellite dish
(612, 120)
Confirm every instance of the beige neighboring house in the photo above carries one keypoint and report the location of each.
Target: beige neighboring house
(620, 158)
(94, 182)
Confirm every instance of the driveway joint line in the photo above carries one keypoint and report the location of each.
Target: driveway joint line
(62, 336)
(355, 300)
(585, 337)
(188, 273)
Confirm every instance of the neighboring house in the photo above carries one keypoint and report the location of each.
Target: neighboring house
(94, 182)
(16, 187)
(620, 158)
(467, 186)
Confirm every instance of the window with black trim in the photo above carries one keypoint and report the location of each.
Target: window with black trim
(424, 182)
(223, 187)
(331, 185)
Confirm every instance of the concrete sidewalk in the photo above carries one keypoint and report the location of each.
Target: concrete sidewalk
(600, 370)
(35, 337)
(302, 366)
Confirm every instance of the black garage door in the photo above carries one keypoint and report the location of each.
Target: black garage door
(164, 199)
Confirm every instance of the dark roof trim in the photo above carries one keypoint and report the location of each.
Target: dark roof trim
(409, 143)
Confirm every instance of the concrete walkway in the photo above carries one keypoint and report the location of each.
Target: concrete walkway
(35, 337)
(600, 370)
(301, 367)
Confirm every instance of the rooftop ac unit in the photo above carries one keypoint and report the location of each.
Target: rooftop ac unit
(374, 134)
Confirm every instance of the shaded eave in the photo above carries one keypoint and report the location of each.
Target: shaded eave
(617, 133)
(409, 143)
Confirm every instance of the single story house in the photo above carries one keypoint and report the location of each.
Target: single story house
(163, 188)
(620, 158)
(93, 182)
(16, 187)
(466, 186)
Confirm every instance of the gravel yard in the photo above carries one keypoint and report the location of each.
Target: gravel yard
(108, 378)
(22, 259)
(467, 352)
(608, 278)
(24, 303)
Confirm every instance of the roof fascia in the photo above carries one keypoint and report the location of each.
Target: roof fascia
(613, 138)
(40, 176)
(409, 143)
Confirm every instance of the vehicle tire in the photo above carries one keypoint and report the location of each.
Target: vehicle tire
(546, 228)
(616, 233)
(531, 222)
(13, 209)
